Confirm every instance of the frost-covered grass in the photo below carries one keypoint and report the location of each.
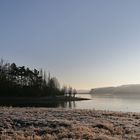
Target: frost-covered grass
(65, 124)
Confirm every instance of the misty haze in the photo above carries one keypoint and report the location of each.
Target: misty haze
(69, 69)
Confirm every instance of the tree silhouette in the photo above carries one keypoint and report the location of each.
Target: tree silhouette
(21, 81)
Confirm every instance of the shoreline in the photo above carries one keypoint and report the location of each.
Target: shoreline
(57, 98)
(38, 102)
(54, 124)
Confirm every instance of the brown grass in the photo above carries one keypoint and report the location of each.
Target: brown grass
(62, 124)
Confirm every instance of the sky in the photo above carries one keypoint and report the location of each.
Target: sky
(84, 43)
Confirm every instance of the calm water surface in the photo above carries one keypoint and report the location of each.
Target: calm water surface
(125, 104)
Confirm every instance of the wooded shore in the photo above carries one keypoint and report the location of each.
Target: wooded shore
(54, 101)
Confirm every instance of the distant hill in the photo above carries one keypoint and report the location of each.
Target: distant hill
(120, 90)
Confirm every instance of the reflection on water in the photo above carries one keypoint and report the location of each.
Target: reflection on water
(36, 103)
(71, 104)
(100, 102)
(107, 102)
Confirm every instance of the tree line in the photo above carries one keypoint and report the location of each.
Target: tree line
(21, 81)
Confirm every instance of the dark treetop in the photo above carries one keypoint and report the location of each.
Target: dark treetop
(21, 81)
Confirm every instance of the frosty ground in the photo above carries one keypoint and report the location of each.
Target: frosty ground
(66, 124)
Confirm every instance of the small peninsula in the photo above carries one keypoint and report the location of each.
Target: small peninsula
(22, 86)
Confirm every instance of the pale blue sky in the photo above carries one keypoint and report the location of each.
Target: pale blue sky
(84, 43)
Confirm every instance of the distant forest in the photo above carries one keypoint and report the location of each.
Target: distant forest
(21, 81)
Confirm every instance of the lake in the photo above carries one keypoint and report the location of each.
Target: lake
(125, 104)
